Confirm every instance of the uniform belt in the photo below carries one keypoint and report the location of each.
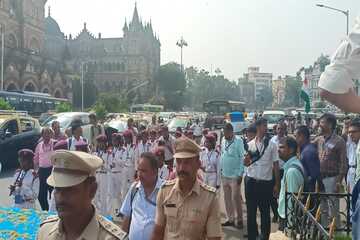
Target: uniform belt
(210, 171)
(101, 171)
(115, 171)
(352, 166)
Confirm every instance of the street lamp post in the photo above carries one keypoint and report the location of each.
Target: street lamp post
(82, 86)
(2, 55)
(182, 43)
(346, 13)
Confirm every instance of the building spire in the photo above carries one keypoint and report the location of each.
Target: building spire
(125, 28)
(49, 11)
(135, 18)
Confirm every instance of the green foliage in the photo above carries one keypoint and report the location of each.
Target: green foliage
(171, 82)
(201, 87)
(100, 110)
(63, 107)
(342, 237)
(292, 92)
(265, 99)
(113, 102)
(4, 105)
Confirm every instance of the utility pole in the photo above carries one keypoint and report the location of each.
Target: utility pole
(182, 43)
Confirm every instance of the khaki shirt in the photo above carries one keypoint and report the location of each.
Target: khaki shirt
(195, 216)
(98, 228)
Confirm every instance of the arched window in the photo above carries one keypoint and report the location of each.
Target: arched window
(30, 87)
(46, 90)
(35, 45)
(11, 41)
(57, 94)
(11, 87)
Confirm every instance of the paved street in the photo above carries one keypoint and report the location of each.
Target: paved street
(5, 180)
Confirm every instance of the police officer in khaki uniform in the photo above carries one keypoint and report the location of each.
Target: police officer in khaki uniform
(186, 208)
(73, 178)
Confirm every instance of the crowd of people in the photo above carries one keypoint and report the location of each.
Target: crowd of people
(160, 186)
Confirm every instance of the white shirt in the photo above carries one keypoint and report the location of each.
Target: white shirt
(262, 169)
(164, 172)
(351, 152)
(169, 144)
(129, 156)
(197, 129)
(210, 161)
(73, 142)
(275, 139)
(345, 64)
(117, 159)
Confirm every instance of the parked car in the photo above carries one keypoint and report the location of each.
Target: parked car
(183, 122)
(17, 131)
(273, 117)
(66, 119)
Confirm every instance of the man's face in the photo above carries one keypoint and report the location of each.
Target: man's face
(47, 135)
(186, 168)
(128, 139)
(147, 175)
(93, 120)
(130, 123)
(250, 136)
(56, 127)
(228, 134)
(354, 133)
(71, 201)
(164, 133)
(284, 152)
(25, 163)
(115, 142)
(78, 131)
(102, 145)
(300, 139)
(209, 144)
(325, 127)
(153, 136)
(262, 128)
(281, 130)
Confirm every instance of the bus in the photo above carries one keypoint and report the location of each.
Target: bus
(34, 103)
(146, 108)
(218, 109)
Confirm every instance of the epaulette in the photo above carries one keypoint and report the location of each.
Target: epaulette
(208, 188)
(111, 228)
(169, 183)
(50, 219)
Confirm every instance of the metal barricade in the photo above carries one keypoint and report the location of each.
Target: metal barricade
(306, 216)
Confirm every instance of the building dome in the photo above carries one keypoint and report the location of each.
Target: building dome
(52, 27)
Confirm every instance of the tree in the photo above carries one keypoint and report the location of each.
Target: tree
(292, 92)
(265, 99)
(90, 90)
(172, 84)
(100, 110)
(113, 102)
(63, 107)
(4, 105)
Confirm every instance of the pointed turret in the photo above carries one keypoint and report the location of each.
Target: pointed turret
(135, 19)
(125, 28)
(49, 11)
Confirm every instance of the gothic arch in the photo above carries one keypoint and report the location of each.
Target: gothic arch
(12, 87)
(30, 86)
(58, 93)
(45, 89)
(12, 41)
(35, 45)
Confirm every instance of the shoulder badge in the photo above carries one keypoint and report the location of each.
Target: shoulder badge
(208, 188)
(50, 219)
(111, 228)
(169, 183)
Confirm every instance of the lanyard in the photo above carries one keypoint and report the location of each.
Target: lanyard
(229, 144)
(209, 157)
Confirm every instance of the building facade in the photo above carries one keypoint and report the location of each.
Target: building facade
(261, 81)
(278, 90)
(40, 57)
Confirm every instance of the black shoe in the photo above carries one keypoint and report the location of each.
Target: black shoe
(228, 224)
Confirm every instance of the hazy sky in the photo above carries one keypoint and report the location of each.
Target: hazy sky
(279, 36)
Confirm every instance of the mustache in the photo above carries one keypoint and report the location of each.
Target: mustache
(183, 173)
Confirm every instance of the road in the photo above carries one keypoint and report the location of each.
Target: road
(6, 179)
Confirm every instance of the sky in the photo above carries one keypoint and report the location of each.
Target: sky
(279, 36)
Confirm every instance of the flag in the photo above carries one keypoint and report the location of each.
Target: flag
(305, 95)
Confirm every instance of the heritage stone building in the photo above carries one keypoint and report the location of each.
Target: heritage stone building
(40, 57)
